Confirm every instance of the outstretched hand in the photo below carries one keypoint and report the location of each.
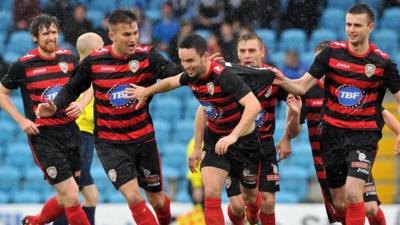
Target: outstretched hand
(46, 109)
(138, 93)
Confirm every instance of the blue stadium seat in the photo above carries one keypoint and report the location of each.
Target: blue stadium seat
(181, 93)
(269, 38)
(153, 14)
(9, 130)
(333, 19)
(293, 39)
(390, 19)
(126, 4)
(26, 197)
(168, 108)
(34, 180)
(387, 41)
(7, 5)
(184, 131)
(20, 42)
(341, 4)
(10, 57)
(175, 158)
(294, 179)
(163, 133)
(307, 57)
(24, 159)
(155, 4)
(4, 197)
(203, 32)
(320, 35)
(5, 21)
(95, 16)
(9, 179)
(277, 58)
(287, 197)
(190, 106)
(104, 6)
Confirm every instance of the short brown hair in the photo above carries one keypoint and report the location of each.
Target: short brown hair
(362, 9)
(125, 16)
(250, 36)
(42, 21)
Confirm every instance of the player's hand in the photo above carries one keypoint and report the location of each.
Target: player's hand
(137, 92)
(397, 147)
(74, 110)
(46, 109)
(284, 148)
(216, 57)
(279, 77)
(294, 103)
(29, 127)
(194, 160)
(223, 144)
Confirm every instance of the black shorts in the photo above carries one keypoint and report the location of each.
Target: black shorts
(241, 160)
(56, 151)
(269, 170)
(124, 162)
(370, 194)
(347, 153)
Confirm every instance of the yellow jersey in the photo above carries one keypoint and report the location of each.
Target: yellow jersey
(85, 121)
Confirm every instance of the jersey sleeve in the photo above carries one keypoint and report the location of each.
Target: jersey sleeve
(256, 78)
(79, 82)
(321, 64)
(233, 85)
(281, 94)
(391, 77)
(184, 79)
(14, 77)
(303, 113)
(162, 67)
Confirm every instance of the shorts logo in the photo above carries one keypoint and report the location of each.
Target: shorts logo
(350, 96)
(361, 165)
(117, 96)
(370, 70)
(228, 182)
(52, 172)
(273, 177)
(63, 66)
(275, 168)
(210, 88)
(362, 157)
(248, 177)
(112, 174)
(50, 93)
(133, 65)
(269, 92)
(146, 172)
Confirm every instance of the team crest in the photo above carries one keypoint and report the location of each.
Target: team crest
(210, 88)
(112, 174)
(63, 66)
(133, 65)
(268, 92)
(52, 172)
(228, 182)
(370, 70)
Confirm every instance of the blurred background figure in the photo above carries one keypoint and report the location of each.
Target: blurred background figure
(293, 68)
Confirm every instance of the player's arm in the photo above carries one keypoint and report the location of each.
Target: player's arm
(142, 93)
(251, 105)
(394, 125)
(75, 108)
(79, 82)
(11, 81)
(293, 126)
(200, 123)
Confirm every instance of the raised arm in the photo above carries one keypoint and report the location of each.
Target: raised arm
(296, 87)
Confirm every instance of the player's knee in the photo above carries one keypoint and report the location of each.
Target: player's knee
(91, 197)
(268, 203)
(70, 197)
(354, 193)
(371, 210)
(132, 197)
(237, 207)
(339, 206)
(156, 200)
(212, 192)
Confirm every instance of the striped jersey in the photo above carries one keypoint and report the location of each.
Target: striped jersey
(116, 119)
(222, 88)
(40, 78)
(355, 85)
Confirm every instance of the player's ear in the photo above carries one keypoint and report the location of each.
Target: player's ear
(111, 36)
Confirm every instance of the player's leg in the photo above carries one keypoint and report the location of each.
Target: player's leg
(374, 213)
(119, 163)
(236, 205)
(268, 181)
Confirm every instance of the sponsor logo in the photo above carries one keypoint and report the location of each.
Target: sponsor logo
(117, 96)
(269, 92)
(107, 69)
(50, 93)
(274, 177)
(343, 65)
(112, 174)
(351, 96)
(63, 66)
(316, 102)
(133, 65)
(359, 170)
(41, 70)
(210, 88)
(362, 165)
(260, 118)
(52, 172)
(210, 110)
(370, 70)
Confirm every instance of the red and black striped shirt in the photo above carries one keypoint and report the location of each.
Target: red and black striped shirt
(354, 85)
(41, 78)
(219, 93)
(116, 119)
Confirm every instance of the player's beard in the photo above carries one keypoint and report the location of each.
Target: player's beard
(49, 48)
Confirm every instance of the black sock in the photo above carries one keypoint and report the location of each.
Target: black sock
(90, 213)
(62, 220)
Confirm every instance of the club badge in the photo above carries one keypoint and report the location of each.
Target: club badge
(63, 66)
(133, 65)
(370, 70)
(210, 88)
